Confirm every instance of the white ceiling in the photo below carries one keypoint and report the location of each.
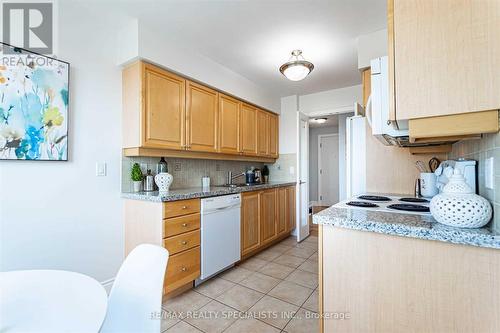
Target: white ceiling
(253, 38)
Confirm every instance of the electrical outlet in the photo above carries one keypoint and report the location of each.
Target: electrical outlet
(177, 166)
(144, 167)
(100, 169)
(292, 170)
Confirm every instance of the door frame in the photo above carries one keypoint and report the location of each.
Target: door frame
(302, 231)
(320, 136)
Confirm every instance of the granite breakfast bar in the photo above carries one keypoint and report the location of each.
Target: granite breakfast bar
(392, 272)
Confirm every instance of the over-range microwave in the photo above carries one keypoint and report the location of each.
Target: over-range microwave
(377, 108)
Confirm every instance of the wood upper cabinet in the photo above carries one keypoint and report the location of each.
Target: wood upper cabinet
(229, 124)
(273, 135)
(250, 222)
(445, 56)
(202, 118)
(290, 197)
(282, 211)
(248, 129)
(262, 133)
(164, 111)
(268, 214)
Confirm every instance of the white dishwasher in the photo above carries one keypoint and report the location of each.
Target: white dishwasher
(220, 234)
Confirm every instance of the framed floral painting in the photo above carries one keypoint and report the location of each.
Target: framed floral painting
(34, 98)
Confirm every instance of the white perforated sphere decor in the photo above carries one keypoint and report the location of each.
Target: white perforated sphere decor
(459, 206)
(163, 180)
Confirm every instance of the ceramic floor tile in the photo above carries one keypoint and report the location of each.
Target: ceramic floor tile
(290, 261)
(311, 239)
(303, 321)
(240, 298)
(214, 287)
(183, 327)
(236, 274)
(303, 278)
(260, 282)
(314, 257)
(291, 292)
(310, 266)
(250, 325)
(253, 264)
(307, 245)
(188, 301)
(276, 270)
(280, 248)
(273, 311)
(269, 254)
(312, 303)
(300, 252)
(214, 317)
(168, 320)
(290, 241)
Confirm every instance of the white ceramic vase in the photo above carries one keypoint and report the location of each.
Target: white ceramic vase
(459, 206)
(137, 185)
(163, 180)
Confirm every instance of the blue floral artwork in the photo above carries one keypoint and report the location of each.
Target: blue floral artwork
(33, 106)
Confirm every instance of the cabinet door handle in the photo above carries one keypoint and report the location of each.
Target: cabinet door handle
(184, 207)
(185, 225)
(184, 242)
(183, 269)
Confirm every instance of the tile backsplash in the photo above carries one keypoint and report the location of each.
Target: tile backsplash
(480, 150)
(284, 169)
(187, 172)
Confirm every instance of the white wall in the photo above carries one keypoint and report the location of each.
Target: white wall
(331, 101)
(313, 158)
(371, 46)
(342, 155)
(59, 215)
(169, 55)
(288, 125)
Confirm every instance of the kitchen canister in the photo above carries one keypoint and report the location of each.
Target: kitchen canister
(163, 180)
(459, 206)
(428, 186)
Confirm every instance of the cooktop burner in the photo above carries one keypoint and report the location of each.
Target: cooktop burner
(409, 207)
(416, 200)
(374, 198)
(361, 204)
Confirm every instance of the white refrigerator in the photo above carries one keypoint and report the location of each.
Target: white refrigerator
(355, 153)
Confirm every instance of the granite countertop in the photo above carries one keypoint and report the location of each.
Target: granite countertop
(198, 192)
(406, 225)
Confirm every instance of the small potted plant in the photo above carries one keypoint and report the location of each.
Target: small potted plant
(265, 173)
(137, 177)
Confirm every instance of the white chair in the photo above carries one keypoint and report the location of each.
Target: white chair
(136, 295)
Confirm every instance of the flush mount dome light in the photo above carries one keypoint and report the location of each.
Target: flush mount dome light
(297, 68)
(320, 120)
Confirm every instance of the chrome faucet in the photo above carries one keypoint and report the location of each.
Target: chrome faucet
(230, 177)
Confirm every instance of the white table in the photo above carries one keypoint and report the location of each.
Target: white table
(50, 301)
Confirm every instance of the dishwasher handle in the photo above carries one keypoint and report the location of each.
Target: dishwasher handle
(221, 209)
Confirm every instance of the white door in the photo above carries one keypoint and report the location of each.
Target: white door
(328, 169)
(303, 178)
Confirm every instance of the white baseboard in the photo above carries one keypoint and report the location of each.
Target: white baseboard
(108, 284)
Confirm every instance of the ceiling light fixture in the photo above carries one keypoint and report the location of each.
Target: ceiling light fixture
(297, 68)
(320, 120)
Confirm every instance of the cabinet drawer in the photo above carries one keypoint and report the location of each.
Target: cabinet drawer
(178, 225)
(182, 242)
(183, 207)
(182, 268)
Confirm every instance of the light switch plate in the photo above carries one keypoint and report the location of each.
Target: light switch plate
(489, 177)
(100, 169)
(292, 170)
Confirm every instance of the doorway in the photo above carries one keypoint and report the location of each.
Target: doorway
(328, 169)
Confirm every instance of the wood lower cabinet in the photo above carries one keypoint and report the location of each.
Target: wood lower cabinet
(229, 110)
(250, 218)
(268, 214)
(202, 118)
(282, 211)
(248, 129)
(290, 208)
